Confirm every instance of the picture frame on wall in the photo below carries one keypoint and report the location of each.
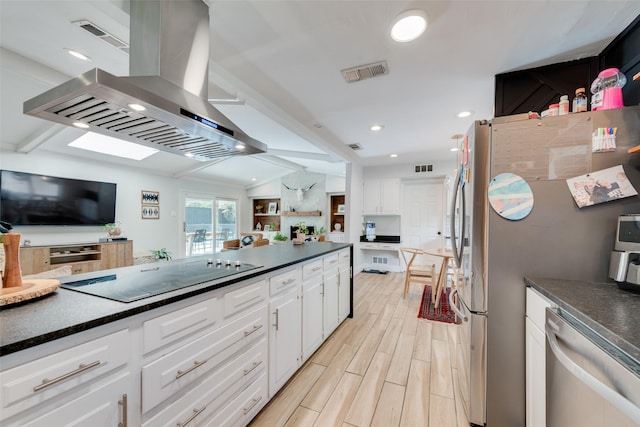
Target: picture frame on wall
(341, 208)
(273, 208)
(150, 197)
(150, 212)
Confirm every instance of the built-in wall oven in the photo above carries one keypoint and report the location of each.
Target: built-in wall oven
(590, 381)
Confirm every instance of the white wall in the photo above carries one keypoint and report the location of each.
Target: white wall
(147, 234)
(407, 171)
(353, 219)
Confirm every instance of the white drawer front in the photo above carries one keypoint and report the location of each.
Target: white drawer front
(173, 326)
(345, 256)
(243, 408)
(35, 382)
(330, 261)
(210, 395)
(312, 268)
(284, 281)
(171, 373)
(244, 297)
(96, 407)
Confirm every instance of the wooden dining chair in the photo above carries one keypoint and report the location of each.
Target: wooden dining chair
(417, 272)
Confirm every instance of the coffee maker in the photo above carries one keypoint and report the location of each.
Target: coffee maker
(624, 266)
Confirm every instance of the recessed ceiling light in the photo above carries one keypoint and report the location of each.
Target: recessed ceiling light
(253, 179)
(376, 128)
(81, 125)
(409, 26)
(113, 146)
(137, 107)
(78, 55)
(463, 114)
(240, 146)
(453, 149)
(393, 155)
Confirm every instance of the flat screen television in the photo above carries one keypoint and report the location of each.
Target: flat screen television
(30, 199)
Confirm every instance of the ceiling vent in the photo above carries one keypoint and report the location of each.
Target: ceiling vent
(102, 34)
(355, 146)
(363, 72)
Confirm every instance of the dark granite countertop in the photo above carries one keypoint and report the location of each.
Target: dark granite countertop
(604, 307)
(67, 312)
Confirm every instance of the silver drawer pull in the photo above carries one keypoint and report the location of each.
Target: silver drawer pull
(254, 366)
(290, 280)
(333, 261)
(47, 382)
(125, 404)
(195, 365)
(277, 319)
(316, 268)
(254, 402)
(255, 328)
(196, 412)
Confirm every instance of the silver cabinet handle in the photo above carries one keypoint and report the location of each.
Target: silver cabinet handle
(254, 402)
(290, 280)
(196, 412)
(455, 308)
(196, 364)
(254, 366)
(125, 404)
(47, 382)
(255, 328)
(276, 324)
(616, 399)
(316, 268)
(333, 261)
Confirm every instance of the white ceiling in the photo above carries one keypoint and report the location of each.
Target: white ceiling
(282, 60)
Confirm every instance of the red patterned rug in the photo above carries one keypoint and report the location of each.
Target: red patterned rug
(443, 313)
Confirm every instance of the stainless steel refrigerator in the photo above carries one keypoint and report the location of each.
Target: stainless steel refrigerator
(557, 240)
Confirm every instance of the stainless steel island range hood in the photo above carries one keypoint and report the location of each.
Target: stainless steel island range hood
(169, 80)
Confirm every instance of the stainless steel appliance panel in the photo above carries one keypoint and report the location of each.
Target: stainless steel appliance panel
(557, 239)
(585, 386)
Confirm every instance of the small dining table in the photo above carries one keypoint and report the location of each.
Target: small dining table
(446, 254)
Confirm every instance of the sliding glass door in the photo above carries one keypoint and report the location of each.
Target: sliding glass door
(208, 221)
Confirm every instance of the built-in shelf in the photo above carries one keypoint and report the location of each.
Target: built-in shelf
(337, 202)
(308, 213)
(264, 217)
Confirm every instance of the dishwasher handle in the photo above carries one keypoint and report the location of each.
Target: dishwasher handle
(611, 396)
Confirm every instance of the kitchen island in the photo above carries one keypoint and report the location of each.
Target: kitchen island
(214, 351)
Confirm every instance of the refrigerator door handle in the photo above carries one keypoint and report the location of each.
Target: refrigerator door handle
(455, 308)
(615, 399)
(458, 187)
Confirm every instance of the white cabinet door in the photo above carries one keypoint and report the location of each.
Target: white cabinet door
(344, 292)
(311, 316)
(389, 196)
(330, 303)
(371, 196)
(285, 338)
(535, 359)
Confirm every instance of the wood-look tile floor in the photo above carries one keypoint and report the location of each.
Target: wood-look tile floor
(384, 367)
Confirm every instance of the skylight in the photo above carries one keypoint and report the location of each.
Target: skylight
(112, 146)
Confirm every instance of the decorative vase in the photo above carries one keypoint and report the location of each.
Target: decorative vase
(337, 226)
(12, 273)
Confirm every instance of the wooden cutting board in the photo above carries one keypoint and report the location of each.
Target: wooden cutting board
(31, 288)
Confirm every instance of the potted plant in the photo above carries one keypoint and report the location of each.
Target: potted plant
(301, 230)
(280, 238)
(317, 233)
(161, 254)
(113, 229)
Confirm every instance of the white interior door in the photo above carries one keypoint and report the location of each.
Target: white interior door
(422, 215)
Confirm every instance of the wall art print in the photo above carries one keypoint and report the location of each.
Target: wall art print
(150, 212)
(150, 197)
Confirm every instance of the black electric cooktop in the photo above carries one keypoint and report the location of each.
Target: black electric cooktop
(148, 280)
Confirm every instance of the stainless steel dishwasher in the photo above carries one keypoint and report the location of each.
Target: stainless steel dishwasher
(590, 381)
